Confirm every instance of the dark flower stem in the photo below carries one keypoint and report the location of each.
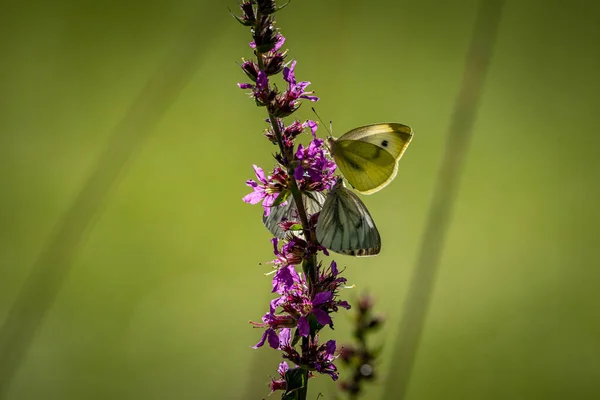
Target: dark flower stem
(309, 265)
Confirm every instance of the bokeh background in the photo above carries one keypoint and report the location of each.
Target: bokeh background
(166, 276)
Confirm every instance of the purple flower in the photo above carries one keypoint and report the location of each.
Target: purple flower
(271, 335)
(315, 172)
(266, 189)
(284, 279)
(312, 308)
(295, 89)
(325, 358)
(280, 384)
(251, 69)
(287, 102)
(272, 322)
(261, 92)
(291, 253)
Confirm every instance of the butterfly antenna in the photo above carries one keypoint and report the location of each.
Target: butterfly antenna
(330, 124)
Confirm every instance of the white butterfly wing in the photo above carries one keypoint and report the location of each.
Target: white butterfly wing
(345, 225)
(313, 202)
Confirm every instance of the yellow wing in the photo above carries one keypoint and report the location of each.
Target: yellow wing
(368, 156)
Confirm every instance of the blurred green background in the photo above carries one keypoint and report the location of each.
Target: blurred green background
(163, 282)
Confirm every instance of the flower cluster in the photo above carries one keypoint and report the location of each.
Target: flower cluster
(305, 300)
(298, 305)
(313, 170)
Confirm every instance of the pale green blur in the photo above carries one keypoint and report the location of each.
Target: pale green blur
(160, 292)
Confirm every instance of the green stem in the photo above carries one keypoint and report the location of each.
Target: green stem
(303, 393)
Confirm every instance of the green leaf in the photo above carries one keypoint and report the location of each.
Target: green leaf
(296, 338)
(283, 196)
(296, 227)
(296, 380)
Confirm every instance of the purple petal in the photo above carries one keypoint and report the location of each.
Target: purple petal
(279, 42)
(262, 340)
(273, 304)
(262, 81)
(260, 174)
(330, 347)
(303, 326)
(245, 86)
(285, 336)
(283, 279)
(273, 338)
(275, 242)
(311, 98)
(269, 200)
(288, 74)
(313, 127)
(334, 270)
(252, 44)
(322, 297)
(299, 87)
(344, 304)
(299, 172)
(322, 317)
(283, 367)
(251, 183)
(315, 175)
(254, 197)
(300, 152)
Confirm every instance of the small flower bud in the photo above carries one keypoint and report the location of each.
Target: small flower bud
(265, 35)
(273, 62)
(248, 17)
(347, 353)
(365, 303)
(376, 322)
(350, 387)
(293, 130)
(266, 6)
(251, 69)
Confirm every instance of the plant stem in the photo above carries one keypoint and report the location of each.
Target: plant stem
(309, 264)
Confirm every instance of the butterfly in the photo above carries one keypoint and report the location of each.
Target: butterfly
(345, 225)
(368, 156)
(312, 201)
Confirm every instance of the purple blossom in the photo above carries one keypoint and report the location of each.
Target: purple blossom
(291, 253)
(325, 358)
(287, 102)
(296, 90)
(272, 322)
(267, 188)
(280, 384)
(314, 171)
(313, 308)
(295, 299)
(261, 92)
(284, 279)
